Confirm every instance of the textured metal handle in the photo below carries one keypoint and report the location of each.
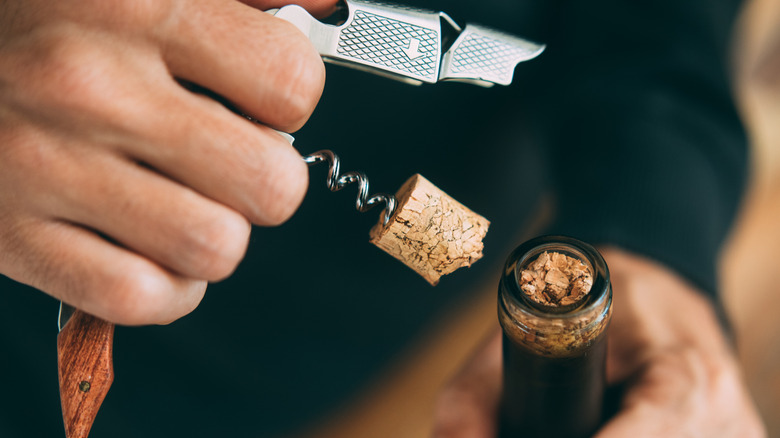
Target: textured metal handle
(407, 44)
(486, 55)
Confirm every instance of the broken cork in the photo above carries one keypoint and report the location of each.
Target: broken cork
(556, 280)
(431, 232)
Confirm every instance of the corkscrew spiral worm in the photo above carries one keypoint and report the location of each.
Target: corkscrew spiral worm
(337, 181)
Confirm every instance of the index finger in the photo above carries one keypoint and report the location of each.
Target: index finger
(261, 64)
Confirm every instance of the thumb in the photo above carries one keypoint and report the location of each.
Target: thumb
(468, 405)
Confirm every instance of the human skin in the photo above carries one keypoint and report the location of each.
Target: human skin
(122, 192)
(665, 345)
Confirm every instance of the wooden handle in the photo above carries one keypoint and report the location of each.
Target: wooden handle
(86, 370)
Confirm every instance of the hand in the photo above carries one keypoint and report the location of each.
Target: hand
(664, 344)
(121, 192)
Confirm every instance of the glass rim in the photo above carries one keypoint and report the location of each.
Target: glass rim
(525, 253)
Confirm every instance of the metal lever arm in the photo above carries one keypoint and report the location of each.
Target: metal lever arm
(407, 44)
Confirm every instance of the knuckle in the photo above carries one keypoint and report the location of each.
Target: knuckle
(149, 14)
(73, 76)
(21, 155)
(17, 260)
(301, 74)
(680, 376)
(217, 245)
(683, 366)
(187, 301)
(710, 369)
(719, 372)
(138, 296)
(145, 294)
(119, 15)
(281, 189)
(668, 378)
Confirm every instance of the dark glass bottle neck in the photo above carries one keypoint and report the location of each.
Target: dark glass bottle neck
(554, 331)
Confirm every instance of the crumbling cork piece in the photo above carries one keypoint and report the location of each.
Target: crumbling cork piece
(431, 232)
(555, 279)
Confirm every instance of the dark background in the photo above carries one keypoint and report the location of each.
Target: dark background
(315, 312)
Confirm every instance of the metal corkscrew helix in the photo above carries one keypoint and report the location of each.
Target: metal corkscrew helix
(337, 181)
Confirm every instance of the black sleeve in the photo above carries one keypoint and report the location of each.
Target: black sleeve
(636, 112)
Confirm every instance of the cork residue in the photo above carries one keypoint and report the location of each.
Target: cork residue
(430, 232)
(555, 279)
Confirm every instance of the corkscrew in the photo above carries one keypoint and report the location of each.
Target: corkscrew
(421, 225)
(337, 181)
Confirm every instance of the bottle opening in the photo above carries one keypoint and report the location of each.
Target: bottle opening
(555, 280)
